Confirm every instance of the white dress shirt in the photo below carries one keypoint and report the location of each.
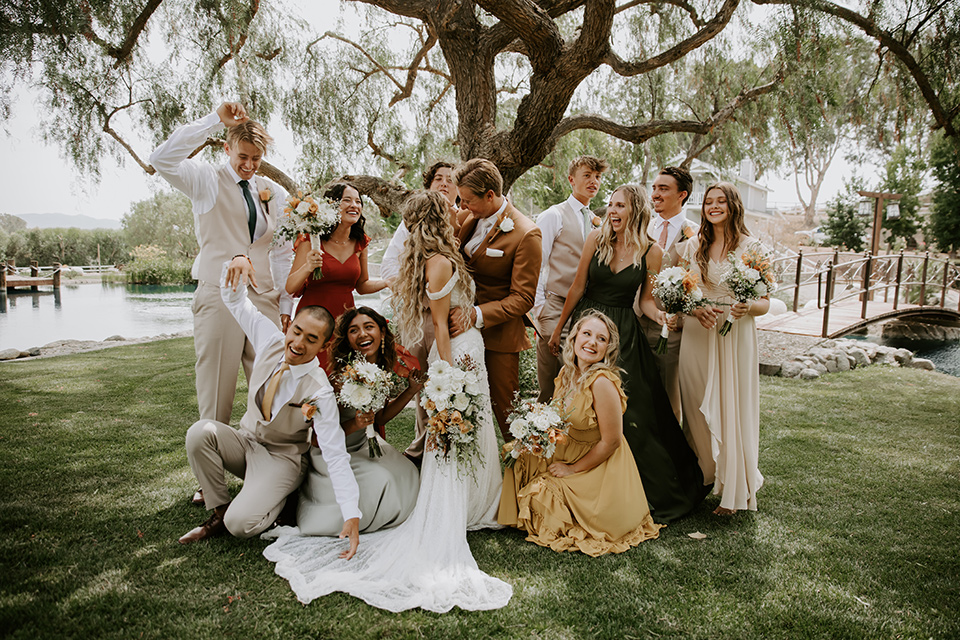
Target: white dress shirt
(551, 224)
(198, 181)
(262, 334)
(675, 223)
(390, 262)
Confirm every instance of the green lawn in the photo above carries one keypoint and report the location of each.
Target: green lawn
(858, 534)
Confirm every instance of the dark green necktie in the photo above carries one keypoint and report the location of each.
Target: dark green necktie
(251, 208)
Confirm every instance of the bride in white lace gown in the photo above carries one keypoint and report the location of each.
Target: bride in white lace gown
(426, 561)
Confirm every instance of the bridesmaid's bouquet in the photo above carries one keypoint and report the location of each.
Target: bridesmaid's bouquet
(305, 216)
(537, 427)
(677, 290)
(749, 278)
(452, 398)
(365, 387)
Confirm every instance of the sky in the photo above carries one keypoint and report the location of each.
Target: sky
(35, 178)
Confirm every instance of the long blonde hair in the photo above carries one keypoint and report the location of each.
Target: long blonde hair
(634, 231)
(425, 216)
(571, 380)
(735, 228)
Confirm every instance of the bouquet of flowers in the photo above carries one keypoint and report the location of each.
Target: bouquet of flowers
(677, 290)
(305, 216)
(365, 387)
(537, 427)
(749, 278)
(451, 398)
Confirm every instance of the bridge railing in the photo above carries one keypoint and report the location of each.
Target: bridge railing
(907, 278)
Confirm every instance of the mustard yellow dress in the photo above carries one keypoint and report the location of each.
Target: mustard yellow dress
(603, 510)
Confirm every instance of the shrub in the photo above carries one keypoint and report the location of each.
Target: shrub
(151, 265)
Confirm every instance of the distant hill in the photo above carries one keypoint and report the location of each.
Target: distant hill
(66, 220)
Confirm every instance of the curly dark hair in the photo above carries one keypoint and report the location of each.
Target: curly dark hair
(335, 194)
(340, 350)
(431, 172)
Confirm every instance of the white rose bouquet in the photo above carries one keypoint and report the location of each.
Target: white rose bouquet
(677, 290)
(537, 427)
(452, 399)
(305, 216)
(749, 278)
(366, 388)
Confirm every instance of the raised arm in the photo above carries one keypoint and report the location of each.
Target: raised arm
(364, 284)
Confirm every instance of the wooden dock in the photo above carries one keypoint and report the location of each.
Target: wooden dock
(10, 280)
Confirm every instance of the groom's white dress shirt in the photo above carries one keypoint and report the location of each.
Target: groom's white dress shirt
(263, 334)
(674, 225)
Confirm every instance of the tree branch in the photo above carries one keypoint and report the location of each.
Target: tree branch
(122, 53)
(682, 4)
(708, 31)
(533, 25)
(870, 27)
(407, 89)
(388, 196)
(365, 53)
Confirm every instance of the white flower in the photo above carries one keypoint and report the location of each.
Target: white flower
(696, 295)
(751, 274)
(506, 225)
(357, 395)
(439, 368)
(303, 207)
(762, 289)
(434, 389)
(460, 402)
(519, 428)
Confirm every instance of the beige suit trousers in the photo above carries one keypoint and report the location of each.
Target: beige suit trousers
(667, 363)
(548, 365)
(268, 478)
(421, 351)
(222, 347)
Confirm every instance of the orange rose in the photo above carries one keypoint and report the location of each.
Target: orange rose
(689, 281)
(307, 410)
(265, 195)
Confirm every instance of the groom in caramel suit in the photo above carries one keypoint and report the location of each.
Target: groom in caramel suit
(502, 248)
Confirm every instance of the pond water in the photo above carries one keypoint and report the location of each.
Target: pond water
(97, 311)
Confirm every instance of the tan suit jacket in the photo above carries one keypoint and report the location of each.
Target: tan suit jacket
(506, 267)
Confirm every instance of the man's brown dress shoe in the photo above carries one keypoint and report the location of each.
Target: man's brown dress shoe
(211, 528)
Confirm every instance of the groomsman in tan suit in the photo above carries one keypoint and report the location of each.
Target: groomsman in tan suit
(564, 227)
(268, 448)
(671, 229)
(234, 212)
(502, 248)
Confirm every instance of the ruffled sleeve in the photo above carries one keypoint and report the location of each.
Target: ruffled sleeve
(362, 244)
(613, 377)
(447, 288)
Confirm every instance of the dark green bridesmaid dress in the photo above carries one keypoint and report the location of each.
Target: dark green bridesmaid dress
(668, 467)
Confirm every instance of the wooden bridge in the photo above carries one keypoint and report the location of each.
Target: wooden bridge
(836, 293)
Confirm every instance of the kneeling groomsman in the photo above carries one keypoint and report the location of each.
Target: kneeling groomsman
(268, 448)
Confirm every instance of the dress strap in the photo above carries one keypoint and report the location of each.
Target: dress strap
(447, 288)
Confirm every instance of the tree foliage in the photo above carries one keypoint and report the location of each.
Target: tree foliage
(11, 223)
(944, 224)
(844, 228)
(164, 221)
(904, 175)
(67, 246)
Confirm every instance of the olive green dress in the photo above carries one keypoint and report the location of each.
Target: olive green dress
(668, 466)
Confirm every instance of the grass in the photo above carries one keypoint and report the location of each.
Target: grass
(857, 536)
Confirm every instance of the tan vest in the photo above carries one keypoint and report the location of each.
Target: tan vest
(565, 253)
(224, 232)
(287, 432)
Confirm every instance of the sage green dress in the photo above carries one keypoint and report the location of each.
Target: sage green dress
(668, 467)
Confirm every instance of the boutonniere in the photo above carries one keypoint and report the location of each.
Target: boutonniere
(265, 196)
(597, 221)
(686, 233)
(506, 225)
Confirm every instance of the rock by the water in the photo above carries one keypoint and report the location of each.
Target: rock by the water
(922, 363)
(9, 354)
(767, 369)
(913, 330)
(791, 369)
(809, 374)
(116, 338)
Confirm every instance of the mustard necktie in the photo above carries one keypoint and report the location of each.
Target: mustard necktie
(271, 391)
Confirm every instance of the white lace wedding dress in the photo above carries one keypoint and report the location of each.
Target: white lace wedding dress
(424, 562)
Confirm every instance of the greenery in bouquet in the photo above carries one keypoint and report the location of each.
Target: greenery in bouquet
(452, 398)
(537, 428)
(365, 387)
(678, 291)
(749, 278)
